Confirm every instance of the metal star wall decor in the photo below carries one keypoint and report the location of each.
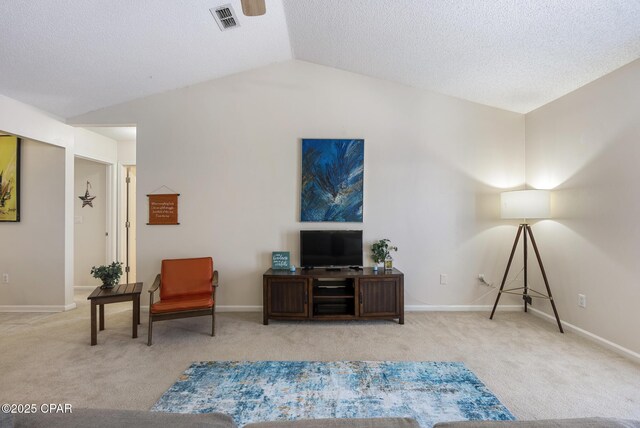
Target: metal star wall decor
(87, 199)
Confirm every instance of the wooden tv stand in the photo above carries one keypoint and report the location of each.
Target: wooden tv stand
(320, 294)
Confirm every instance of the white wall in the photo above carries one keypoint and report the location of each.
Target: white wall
(90, 222)
(26, 121)
(91, 145)
(231, 148)
(127, 152)
(32, 251)
(586, 146)
(30, 123)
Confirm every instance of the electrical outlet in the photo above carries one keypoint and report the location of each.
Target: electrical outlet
(443, 279)
(582, 300)
(5, 278)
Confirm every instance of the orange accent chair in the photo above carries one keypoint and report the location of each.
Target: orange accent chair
(187, 289)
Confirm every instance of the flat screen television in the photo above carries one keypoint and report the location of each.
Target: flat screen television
(330, 248)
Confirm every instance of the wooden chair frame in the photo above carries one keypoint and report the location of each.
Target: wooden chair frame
(182, 314)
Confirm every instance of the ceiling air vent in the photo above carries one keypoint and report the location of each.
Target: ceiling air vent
(225, 17)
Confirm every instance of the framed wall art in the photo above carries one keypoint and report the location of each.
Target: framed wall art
(9, 178)
(332, 180)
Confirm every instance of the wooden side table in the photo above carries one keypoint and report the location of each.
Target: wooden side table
(119, 293)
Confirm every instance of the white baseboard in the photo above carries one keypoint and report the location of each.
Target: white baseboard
(460, 308)
(37, 308)
(620, 350)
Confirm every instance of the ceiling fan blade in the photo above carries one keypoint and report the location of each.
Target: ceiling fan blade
(253, 7)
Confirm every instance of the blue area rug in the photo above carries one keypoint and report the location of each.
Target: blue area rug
(269, 390)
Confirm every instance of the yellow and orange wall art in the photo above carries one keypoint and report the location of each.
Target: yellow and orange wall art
(9, 178)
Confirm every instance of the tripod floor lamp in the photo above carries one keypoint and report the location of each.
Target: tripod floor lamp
(526, 204)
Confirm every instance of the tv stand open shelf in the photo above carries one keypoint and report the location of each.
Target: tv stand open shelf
(322, 294)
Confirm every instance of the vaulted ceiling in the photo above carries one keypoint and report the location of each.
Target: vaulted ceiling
(73, 56)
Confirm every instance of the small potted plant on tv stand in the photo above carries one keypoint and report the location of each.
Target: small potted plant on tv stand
(380, 253)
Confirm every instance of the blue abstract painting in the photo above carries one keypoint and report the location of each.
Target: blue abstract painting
(332, 180)
(259, 391)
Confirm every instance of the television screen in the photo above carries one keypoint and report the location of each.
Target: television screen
(330, 248)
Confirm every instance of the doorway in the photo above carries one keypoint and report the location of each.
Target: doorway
(128, 223)
(91, 206)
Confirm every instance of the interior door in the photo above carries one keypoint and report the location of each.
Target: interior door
(91, 219)
(130, 225)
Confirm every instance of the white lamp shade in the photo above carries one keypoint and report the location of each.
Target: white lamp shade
(525, 204)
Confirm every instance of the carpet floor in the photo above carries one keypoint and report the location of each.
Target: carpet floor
(535, 371)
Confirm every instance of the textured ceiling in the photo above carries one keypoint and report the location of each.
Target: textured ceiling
(512, 54)
(69, 57)
(73, 56)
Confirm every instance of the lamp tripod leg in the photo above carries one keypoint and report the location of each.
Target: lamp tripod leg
(525, 248)
(506, 272)
(544, 276)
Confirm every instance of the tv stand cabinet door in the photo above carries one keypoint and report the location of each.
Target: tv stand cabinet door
(285, 298)
(380, 298)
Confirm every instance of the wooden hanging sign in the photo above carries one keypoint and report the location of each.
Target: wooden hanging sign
(163, 209)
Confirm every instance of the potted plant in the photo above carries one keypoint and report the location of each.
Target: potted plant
(108, 274)
(380, 252)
